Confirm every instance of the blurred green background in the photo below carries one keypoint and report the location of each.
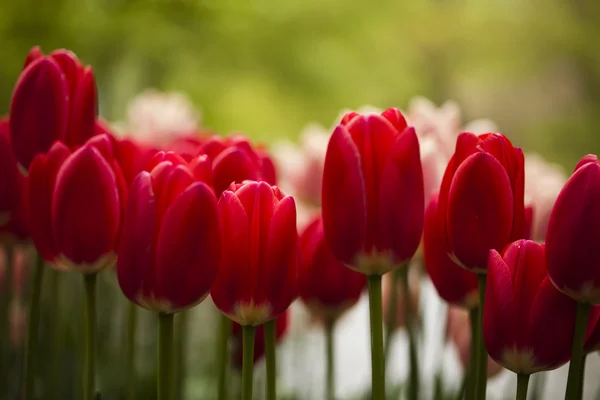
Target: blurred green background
(268, 67)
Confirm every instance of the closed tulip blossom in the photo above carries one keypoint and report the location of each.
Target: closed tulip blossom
(54, 100)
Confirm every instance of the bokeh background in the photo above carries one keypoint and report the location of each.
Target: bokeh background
(268, 67)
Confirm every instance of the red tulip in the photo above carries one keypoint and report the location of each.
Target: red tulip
(373, 196)
(171, 244)
(281, 327)
(54, 99)
(573, 234)
(528, 324)
(74, 202)
(482, 198)
(257, 278)
(454, 284)
(326, 286)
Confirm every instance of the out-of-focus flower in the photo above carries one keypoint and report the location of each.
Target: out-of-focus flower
(17, 321)
(170, 247)
(75, 205)
(543, 182)
(414, 285)
(281, 328)
(522, 307)
(459, 333)
(326, 286)
(54, 99)
(258, 276)
(156, 118)
(482, 198)
(372, 196)
(574, 232)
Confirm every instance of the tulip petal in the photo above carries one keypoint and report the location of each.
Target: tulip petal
(233, 165)
(480, 210)
(34, 54)
(343, 197)
(86, 210)
(188, 247)
(402, 198)
(395, 117)
(590, 158)
(84, 110)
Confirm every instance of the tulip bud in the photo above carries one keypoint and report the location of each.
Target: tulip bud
(482, 198)
(326, 286)
(54, 99)
(171, 245)
(454, 284)
(257, 278)
(373, 196)
(573, 233)
(528, 324)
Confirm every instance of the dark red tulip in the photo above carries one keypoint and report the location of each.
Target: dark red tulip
(326, 286)
(171, 243)
(74, 203)
(257, 278)
(281, 327)
(574, 233)
(482, 198)
(54, 99)
(373, 196)
(528, 324)
(454, 284)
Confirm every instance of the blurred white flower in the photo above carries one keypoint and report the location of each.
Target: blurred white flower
(157, 118)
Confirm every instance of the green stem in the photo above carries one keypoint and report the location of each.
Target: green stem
(32, 329)
(413, 386)
(248, 333)
(165, 356)
(482, 356)
(576, 366)
(329, 329)
(6, 292)
(581, 382)
(470, 372)
(271, 359)
(132, 317)
(377, 361)
(89, 367)
(55, 374)
(522, 383)
(223, 355)
(390, 317)
(181, 333)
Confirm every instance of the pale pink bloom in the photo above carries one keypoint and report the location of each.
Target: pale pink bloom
(543, 182)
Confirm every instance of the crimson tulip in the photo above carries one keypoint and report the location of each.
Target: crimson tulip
(257, 278)
(373, 196)
(74, 203)
(482, 198)
(54, 99)
(573, 232)
(326, 286)
(528, 324)
(454, 284)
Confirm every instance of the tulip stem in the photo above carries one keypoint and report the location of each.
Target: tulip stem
(165, 356)
(132, 317)
(181, 334)
(5, 295)
(576, 367)
(248, 333)
(377, 361)
(413, 386)
(223, 355)
(271, 359)
(329, 329)
(522, 383)
(471, 372)
(55, 374)
(89, 367)
(32, 328)
(481, 385)
(391, 312)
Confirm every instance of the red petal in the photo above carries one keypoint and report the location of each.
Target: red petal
(86, 210)
(188, 248)
(135, 263)
(39, 110)
(402, 198)
(201, 167)
(178, 179)
(395, 117)
(84, 110)
(34, 54)
(590, 158)
(9, 173)
(344, 201)
(480, 210)
(233, 165)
